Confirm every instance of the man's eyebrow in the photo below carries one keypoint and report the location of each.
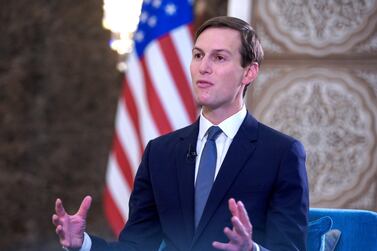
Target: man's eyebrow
(222, 50)
(196, 49)
(214, 50)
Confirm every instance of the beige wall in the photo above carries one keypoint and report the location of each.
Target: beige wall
(59, 88)
(319, 84)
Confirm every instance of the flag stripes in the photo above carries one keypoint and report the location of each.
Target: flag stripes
(156, 99)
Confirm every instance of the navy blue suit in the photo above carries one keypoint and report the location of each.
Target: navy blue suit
(263, 168)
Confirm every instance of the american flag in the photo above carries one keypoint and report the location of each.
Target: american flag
(156, 96)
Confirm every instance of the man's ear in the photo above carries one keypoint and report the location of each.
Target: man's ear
(251, 73)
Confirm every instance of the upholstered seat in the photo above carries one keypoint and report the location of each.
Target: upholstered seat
(358, 227)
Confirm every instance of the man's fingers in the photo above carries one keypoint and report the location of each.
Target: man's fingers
(240, 236)
(84, 207)
(55, 220)
(233, 207)
(239, 228)
(59, 209)
(220, 245)
(59, 231)
(243, 216)
(232, 235)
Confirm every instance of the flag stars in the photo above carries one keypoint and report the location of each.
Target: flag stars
(152, 21)
(156, 3)
(139, 36)
(144, 17)
(170, 9)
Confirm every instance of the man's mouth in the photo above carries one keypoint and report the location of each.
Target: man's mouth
(203, 83)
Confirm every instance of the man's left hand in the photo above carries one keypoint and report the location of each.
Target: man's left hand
(240, 237)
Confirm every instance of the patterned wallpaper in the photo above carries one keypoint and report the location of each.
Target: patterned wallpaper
(319, 84)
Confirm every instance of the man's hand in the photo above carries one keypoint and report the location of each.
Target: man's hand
(240, 237)
(71, 228)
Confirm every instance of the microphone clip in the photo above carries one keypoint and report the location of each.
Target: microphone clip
(191, 153)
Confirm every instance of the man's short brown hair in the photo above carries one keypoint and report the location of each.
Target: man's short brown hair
(251, 49)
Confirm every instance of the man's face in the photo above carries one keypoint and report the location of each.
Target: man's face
(216, 71)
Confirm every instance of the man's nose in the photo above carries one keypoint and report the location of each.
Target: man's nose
(205, 66)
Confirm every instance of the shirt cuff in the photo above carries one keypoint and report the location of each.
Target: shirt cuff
(87, 243)
(255, 247)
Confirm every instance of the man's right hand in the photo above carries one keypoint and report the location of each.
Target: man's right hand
(71, 228)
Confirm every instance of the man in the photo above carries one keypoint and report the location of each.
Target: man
(253, 170)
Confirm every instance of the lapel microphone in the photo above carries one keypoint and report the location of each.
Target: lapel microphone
(191, 153)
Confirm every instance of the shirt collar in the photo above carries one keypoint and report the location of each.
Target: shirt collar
(229, 126)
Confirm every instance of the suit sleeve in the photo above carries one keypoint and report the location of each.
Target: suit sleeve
(142, 230)
(287, 217)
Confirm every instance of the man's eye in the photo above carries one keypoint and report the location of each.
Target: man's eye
(219, 58)
(197, 55)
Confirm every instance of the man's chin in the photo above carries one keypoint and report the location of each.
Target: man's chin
(204, 100)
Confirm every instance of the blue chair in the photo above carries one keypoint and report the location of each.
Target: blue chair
(358, 227)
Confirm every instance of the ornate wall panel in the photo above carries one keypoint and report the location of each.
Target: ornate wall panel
(318, 27)
(319, 84)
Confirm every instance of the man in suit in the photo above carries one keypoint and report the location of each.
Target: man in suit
(257, 194)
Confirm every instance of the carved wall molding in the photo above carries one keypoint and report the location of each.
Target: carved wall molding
(369, 75)
(268, 42)
(368, 46)
(318, 28)
(318, 83)
(368, 198)
(335, 116)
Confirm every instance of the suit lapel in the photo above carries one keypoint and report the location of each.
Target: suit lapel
(239, 152)
(185, 164)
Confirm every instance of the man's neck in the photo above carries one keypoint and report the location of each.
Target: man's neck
(216, 116)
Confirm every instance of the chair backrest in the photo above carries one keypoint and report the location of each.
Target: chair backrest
(358, 227)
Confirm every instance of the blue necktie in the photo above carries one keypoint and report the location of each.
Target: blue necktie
(206, 172)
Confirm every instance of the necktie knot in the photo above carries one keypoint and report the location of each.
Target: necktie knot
(213, 133)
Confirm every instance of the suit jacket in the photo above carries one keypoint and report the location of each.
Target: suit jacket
(263, 168)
